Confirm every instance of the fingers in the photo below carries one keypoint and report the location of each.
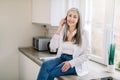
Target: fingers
(65, 67)
(62, 22)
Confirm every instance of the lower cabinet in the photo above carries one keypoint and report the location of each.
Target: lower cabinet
(28, 70)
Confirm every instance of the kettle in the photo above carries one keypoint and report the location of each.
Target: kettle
(51, 52)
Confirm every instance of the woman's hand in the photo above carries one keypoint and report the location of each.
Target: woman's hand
(62, 23)
(66, 66)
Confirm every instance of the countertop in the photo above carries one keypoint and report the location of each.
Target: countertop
(95, 70)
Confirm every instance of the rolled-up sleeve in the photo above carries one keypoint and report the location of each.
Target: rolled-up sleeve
(84, 55)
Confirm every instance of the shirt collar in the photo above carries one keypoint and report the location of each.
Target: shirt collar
(73, 33)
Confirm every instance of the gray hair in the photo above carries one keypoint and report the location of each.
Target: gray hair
(77, 38)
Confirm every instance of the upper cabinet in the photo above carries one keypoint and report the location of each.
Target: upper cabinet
(58, 10)
(52, 11)
(48, 11)
(41, 11)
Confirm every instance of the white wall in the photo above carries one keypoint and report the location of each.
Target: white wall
(16, 30)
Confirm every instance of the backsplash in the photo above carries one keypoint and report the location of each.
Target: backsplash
(50, 31)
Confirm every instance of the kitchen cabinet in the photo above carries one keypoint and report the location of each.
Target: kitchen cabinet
(41, 11)
(58, 11)
(28, 70)
(48, 11)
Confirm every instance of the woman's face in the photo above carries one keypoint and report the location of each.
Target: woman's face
(72, 18)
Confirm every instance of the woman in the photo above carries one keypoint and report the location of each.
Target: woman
(73, 49)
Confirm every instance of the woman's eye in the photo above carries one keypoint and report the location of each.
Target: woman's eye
(70, 15)
(75, 17)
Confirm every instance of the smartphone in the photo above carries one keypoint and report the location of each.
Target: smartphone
(65, 20)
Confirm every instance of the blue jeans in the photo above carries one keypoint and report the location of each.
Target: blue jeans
(52, 68)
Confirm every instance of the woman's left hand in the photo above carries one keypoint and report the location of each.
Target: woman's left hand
(66, 66)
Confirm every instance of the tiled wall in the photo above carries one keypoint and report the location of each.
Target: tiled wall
(50, 31)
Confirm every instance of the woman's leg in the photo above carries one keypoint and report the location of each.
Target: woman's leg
(58, 72)
(47, 67)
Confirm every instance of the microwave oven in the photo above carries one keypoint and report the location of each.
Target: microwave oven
(41, 43)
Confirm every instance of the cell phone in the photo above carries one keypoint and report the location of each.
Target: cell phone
(66, 18)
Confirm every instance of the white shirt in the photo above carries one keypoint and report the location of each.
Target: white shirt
(67, 48)
(80, 53)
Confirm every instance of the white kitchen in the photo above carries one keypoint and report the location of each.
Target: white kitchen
(22, 20)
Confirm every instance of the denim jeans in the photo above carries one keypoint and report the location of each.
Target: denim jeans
(52, 68)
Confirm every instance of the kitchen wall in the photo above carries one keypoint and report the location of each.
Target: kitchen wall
(16, 30)
(50, 30)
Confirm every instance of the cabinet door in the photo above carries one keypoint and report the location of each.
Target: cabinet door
(41, 11)
(58, 10)
(28, 70)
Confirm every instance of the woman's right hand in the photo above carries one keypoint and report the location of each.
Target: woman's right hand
(62, 23)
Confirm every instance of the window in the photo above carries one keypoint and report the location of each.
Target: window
(99, 15)
(97, 27)
(103, 16)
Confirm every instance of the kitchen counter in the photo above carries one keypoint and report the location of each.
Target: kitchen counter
(95, 70)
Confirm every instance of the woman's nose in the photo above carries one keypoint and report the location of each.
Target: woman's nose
(71, 18)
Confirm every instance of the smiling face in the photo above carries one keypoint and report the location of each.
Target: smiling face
(72, 18)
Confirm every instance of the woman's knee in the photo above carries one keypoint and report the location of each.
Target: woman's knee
(46, 65)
